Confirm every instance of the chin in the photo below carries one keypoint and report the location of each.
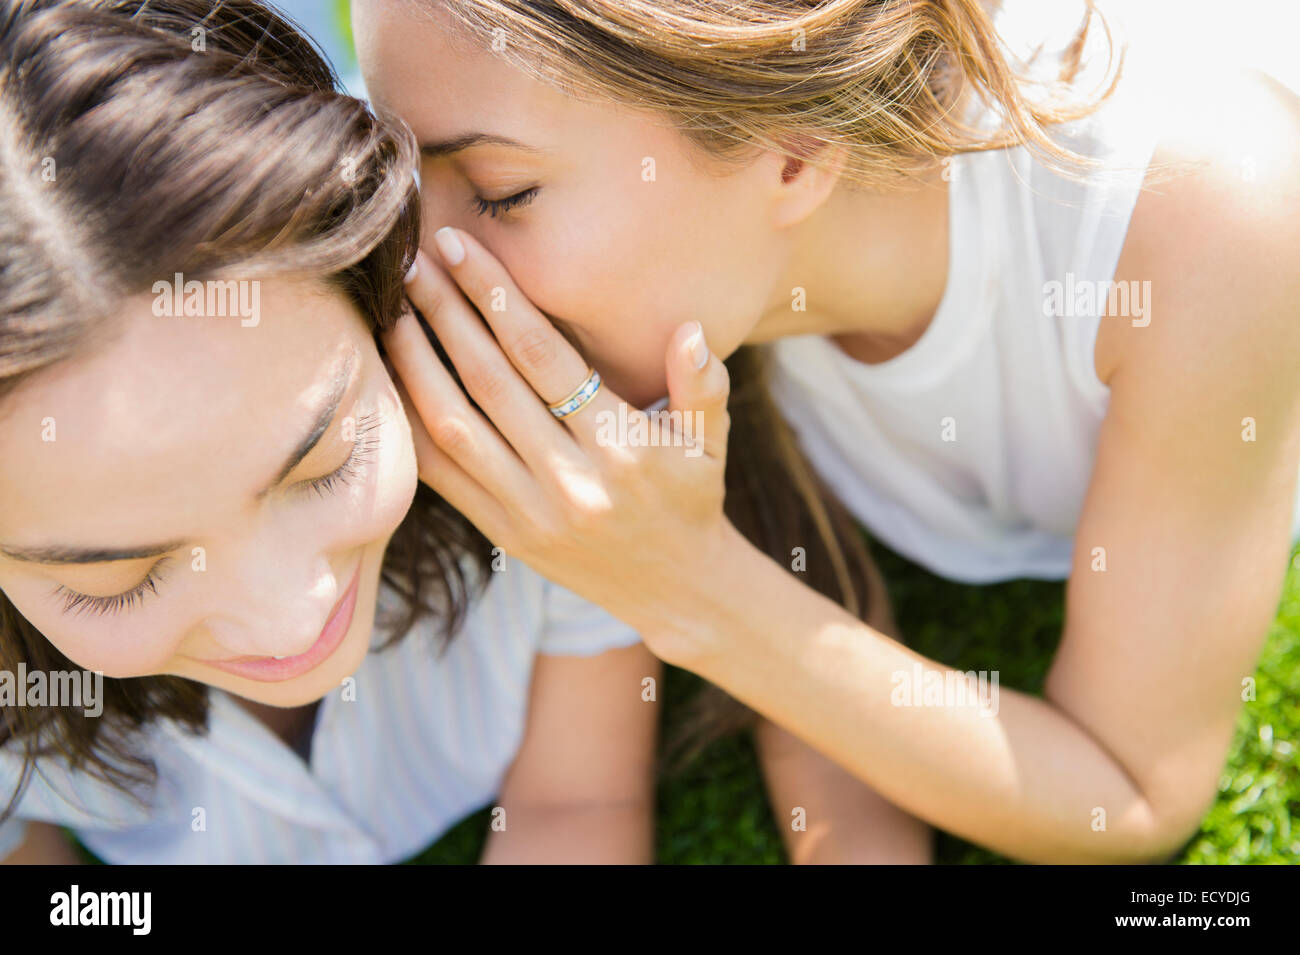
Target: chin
(346, 660)
(638, 390)
(309, 687)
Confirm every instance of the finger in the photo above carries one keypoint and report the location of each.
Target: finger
(550, 365)
(486, 373)
(452, 424)
(450, 480)
(698, 383)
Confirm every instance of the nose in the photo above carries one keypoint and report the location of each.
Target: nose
(274, 607)
(438, 208)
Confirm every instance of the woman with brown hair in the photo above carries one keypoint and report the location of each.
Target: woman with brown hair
(926, 231)
(285, 648)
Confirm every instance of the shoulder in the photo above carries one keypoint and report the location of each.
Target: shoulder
(1216, 237)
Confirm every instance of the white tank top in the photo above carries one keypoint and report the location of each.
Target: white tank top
(970, 452)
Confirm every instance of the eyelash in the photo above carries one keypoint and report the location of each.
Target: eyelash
(495, 207)
(74, 602)
(363, 447)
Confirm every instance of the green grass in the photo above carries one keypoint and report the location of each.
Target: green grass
(716, 810)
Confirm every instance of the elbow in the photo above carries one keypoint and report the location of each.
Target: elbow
(1172, 822)
(1144, 834)
(1170, 835)
(1152, 840)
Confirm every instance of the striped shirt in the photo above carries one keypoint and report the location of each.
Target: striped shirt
(420, 741)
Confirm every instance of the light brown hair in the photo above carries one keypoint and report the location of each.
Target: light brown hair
(889, 80)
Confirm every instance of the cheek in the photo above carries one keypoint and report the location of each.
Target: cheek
(628, 267)
(617, 284)
(616, 316)
(397, 475)
(112, 646)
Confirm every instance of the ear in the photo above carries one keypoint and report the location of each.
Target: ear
(807, 171)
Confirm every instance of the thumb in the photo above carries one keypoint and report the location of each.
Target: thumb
(698, 387)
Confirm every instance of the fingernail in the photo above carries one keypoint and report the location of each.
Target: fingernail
(449, 244)
(699, 350)
(411, 272)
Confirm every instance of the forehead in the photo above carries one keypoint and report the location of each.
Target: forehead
(166, 415)
(422, 65)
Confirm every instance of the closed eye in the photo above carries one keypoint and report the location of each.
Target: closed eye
(74, 602)
(495, 207)
(364, 444)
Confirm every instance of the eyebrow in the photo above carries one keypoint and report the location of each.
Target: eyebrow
(87, 555)
(446, 147)
(340, 378)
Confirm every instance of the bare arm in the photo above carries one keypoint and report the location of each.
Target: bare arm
(825, 814)
(45, 844)
(581, 789)
(1142, 699)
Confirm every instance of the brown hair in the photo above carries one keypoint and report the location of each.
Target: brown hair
(171, 154)
(888, 80)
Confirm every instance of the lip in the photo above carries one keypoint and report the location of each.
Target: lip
(271, 670)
